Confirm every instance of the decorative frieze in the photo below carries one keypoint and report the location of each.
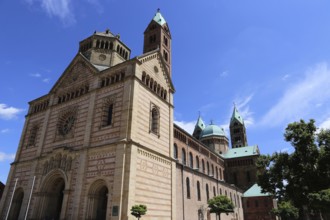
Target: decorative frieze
(60, 161)
(153, 157)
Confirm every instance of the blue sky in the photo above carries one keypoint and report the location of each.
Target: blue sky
(269, 57)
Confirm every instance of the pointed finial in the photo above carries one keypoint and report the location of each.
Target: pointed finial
(211, 121)
(234, 104)
(158, 9)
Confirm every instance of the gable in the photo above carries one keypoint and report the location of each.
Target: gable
(80, 71)
(153, 66)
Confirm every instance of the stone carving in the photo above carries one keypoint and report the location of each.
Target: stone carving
(59, 162)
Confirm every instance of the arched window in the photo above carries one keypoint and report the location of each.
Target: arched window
(97, 201)
(220, 171)
(107, 45)
(111, 45)
(165, 55)
(208, 168)
(212, 170)
(191, 160)
(147, 80)
(214, 194)
(165, 41)
(197, 162)
(220, 191)
(203, 166)
(188, 187)
(144, 77)
(175, 151)
(198, 191)
(102, 44)
(155, 86)
(154, 120)
(216, 173)
(109, 115)
(207, 192)
(183, 157)
(33, 136)
(151, 83)
(97, 44)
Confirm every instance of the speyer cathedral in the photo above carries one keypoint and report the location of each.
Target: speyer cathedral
(103, 139)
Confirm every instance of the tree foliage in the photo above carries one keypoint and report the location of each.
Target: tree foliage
(286, 211)
(292, 177)
(138, 210)
(220, 204)
(320, 201)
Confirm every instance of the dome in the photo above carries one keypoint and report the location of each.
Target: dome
(213, 130)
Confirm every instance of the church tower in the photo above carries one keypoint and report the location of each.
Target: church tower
(158, 36)
(237, 130)
(104, 49)
(199, 127)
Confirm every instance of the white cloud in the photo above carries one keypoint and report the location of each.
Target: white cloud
(224, 74)
(285, 77)
(325, 124)
(97, 5)
(244, 110)
(187, 126)
(46, 80)
(6, 130)
(58, 8)
(300, 98)
(5, 156)
(8, 112)
(37, 75)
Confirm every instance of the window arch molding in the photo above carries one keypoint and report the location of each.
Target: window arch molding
(154, 120)
(175, 151)
(188, 187)
(183, 156)
(191, 160)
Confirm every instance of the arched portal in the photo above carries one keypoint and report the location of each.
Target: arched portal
(54, 193)
(16, 204)
(101, 203)
(97, 201)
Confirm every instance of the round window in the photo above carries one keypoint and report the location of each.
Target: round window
(67, 125)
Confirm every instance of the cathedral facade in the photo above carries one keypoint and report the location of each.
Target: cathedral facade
(103, 139)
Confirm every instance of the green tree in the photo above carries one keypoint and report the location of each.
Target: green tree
(138, 210)
(292, 177)
(286, 211)
(220, 204)
(320, 202)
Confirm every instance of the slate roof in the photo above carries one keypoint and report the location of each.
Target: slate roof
(241, 152)
(255, 191)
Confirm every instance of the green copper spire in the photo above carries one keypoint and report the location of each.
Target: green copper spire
(159, 18)
(236, 116)
(200, 123)
(199, 127)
